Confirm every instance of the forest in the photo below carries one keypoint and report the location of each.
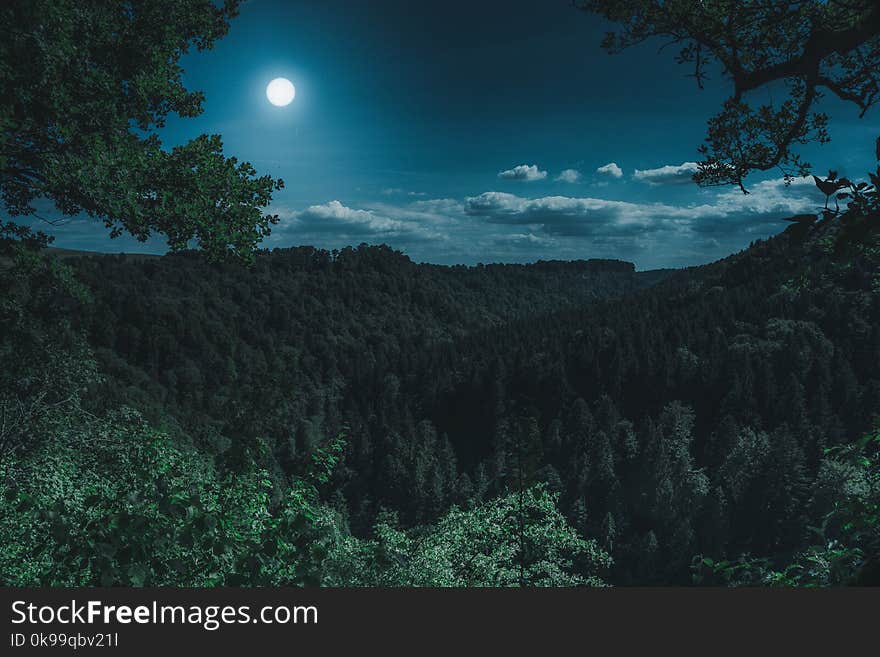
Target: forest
(232, 415)
(351, 417)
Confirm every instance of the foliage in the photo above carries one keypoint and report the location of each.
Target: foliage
(14, 238)
(84, 86)
(46, 366)
(115, 502)
(862, 197)
(809, 46)
(844, 546)
(515, 540)
(487, 419)
(690, 417)
(106, 499)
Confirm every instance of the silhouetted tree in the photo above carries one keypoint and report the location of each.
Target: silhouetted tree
(812, 46)
(83, 86)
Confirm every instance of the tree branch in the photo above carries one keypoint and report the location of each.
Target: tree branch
(819, 45)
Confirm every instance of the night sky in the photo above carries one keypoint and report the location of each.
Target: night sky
(465, 132)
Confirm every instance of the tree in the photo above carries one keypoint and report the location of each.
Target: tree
(45, 364)
(514, 540)
(83, 86)
(844, 538)
(677, 488)
(112, 501)
(813, 47)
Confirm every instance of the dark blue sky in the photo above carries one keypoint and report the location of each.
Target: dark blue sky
(411, 120)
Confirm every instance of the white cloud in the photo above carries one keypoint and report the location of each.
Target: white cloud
(611, 170)
(334, 216)
(333, 221)
(523, 172)
(569, 176)
(670, 174)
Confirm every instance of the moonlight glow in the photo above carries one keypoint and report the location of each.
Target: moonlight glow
(280, 92)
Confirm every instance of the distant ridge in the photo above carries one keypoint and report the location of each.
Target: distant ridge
(77, 253)
(589, 265)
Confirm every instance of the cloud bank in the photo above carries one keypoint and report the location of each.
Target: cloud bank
(726, 212)
(496, 226)
(650, 234)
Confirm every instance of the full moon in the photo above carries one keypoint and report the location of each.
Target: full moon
(280, 92)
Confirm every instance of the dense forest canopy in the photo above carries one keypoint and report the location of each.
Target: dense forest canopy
(661, 416)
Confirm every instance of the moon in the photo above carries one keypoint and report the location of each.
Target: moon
(280, 92)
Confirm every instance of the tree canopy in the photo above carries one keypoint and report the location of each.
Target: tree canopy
(83, 86)
(812, 47)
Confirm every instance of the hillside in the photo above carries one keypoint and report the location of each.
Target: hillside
(669, 413)
(198, 336)
(759, 356)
